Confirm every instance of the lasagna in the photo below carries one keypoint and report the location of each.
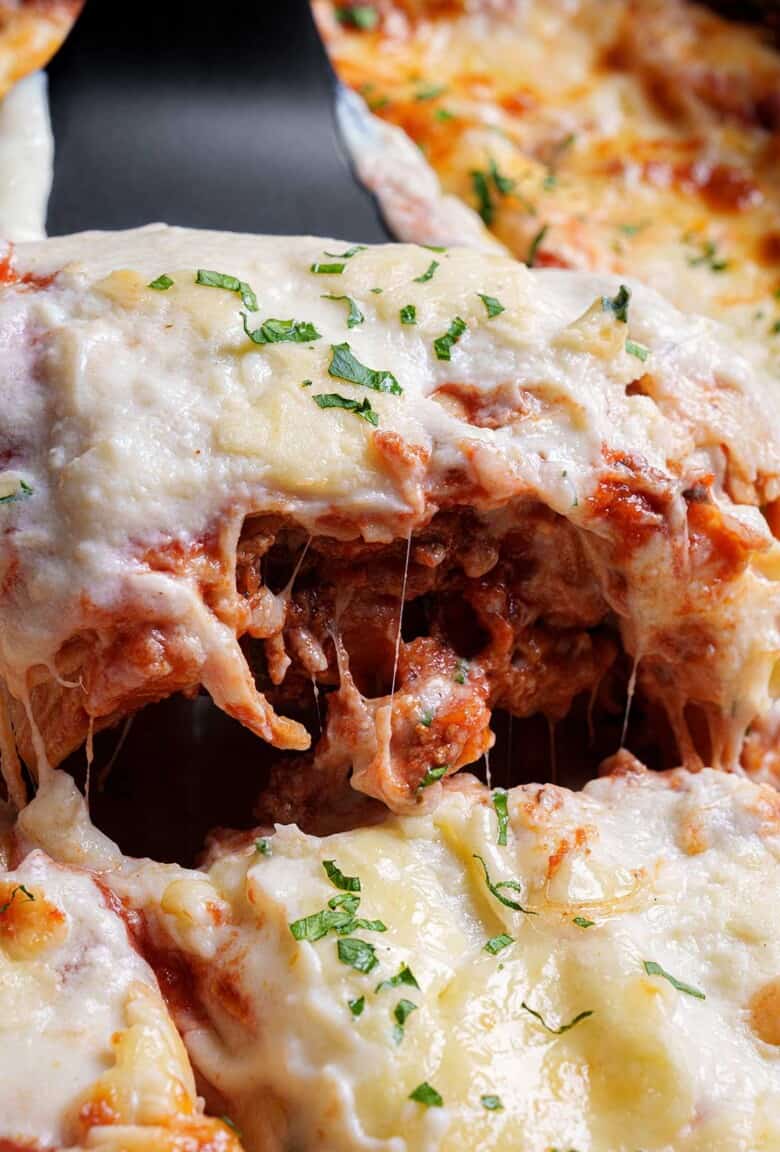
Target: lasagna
(429, 483)
(91, 1057)
(534, 969)
(637, 136)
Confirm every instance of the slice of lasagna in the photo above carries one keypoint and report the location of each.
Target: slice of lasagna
(429, 483)
(640, 136)
(535, 969)
(90, 1056)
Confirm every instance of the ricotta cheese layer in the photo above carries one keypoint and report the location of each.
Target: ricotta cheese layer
(539, 969)
(162, 387)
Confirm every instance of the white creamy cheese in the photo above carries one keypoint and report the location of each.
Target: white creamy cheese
(26, 157)
(650, 905)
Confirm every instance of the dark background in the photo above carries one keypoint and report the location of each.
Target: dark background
(212, 115)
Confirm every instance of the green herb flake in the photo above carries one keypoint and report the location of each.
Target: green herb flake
(428, 273)
(426, 1094)
(356, 1006)
(377, 291)
(443, 115)
(281, 331)
(583, 922)
(210, 279)
(434, 247)
(345, 366)
(504, 186)
(357, 954)
(161, 284)
(497, 944)
(618, 304)
(432, 775)
(494, 307)
(327, 269)
(360, 16)
(632, 229)
(22, 493)
(707, 256)
(319, 924)
(232, 1125)
(361, 408)
(402, 1012)
(500, 803)
(496, 890)
(408, 314)
(263, 847)
(484, 200)
(536, 244)
(350, 252)
(430, 91)
(653, 969)
(443, 345)
(306, 383)
(775, 329)
(563, 1027)
(563, 146)
(426, 717)
(28, 896)
(491, 1103)
(461, 673)
(404, 976)
(338, 879)
(639, 350)
(355, 316)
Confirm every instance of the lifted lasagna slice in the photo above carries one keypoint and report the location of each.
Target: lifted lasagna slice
(90, 1056)
(528, 970)
(430, 483)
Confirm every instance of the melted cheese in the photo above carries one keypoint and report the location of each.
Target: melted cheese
(146, 420)
(26, 154)
(88, 1052)
(643, 137)
(675, 870)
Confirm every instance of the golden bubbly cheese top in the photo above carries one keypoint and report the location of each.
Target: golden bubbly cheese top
(640, 136)
(539, 969)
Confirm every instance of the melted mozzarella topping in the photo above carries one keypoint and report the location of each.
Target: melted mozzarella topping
(88, 1052)
(146, 420)
(649, 904)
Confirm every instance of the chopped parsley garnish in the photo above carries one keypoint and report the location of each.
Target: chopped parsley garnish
(443, 115)
(551, 179)
(504, 185)
(428, 273)
(377, 291)
(14, 893)
(430, 91)
(497, 944)
(345, 366)
(432, 775)
(356, 1006)
(482, 193)
(443, 345)
(494, 307)
(536, 244)
(408, 314)
(434, 247)
(653, 969)
(306, 383)
(338, 879)
(361, 408)
(231, 1124)
(707, 256)
(355, 316)
(404, 975)
(162, 283)
(319, 924)
(426, 717)
(230, 284)
(496, 890)
(358, 954)
(361, 16)
(583, 922)
(632, 229)
(22, 493)
(327, 269)
(502, 812)
(461, 672)
(563, 1027)
(350, 252)
(618, 304)
(426, 1094)
(281, 332)
(492, 1103)
(263, 847)
(639, 350)
(402, 1012)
